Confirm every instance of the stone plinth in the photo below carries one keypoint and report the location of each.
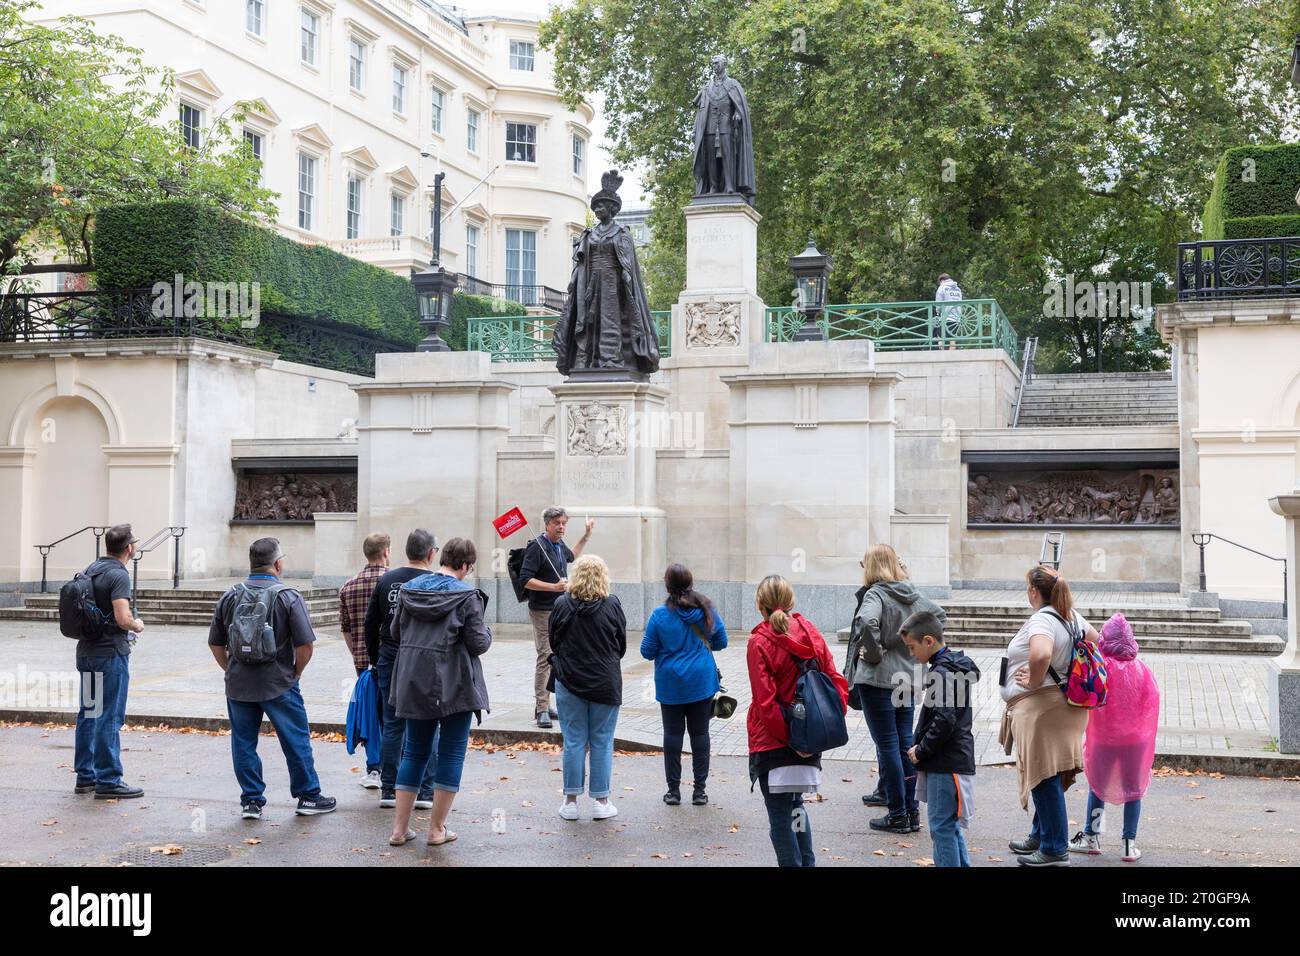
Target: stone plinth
(605, 469)
(429, 429)
(812, 462)
(1284, 671)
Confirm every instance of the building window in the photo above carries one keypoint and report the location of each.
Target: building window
(521, 55)
(357, 65)
(254, 16)
(352, 230)
(438, 99)
(306, 190)
(471, 250)
(521, 266)
(191, 126)
(257, 146)
(579, 153)
(310, 46)
(471, 131)
(399, 89)
(521, 142)
(396, 214)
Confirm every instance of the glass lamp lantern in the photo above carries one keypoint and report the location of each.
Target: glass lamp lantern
(812, 272)
(434, 288)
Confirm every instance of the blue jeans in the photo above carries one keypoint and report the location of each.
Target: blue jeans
(789, 826)
(390, 751)
(585, 725)
(102, 710)
(374, 752)
(288, 715)
(941, 812)
(1132, 812)
(891, 729)
(1051, 821)
(452, 733)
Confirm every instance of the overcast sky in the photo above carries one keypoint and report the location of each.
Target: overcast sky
(599, 159)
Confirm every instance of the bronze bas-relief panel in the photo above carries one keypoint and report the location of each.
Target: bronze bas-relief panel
(1142, 497)
(293, 497)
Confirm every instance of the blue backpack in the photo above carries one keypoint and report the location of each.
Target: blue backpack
(815, 717)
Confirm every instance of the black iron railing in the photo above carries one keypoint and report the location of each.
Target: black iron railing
(139, 313)
(175, 532)
(1228, 268)
(529, 295)
(45, 549)
(1201, 539)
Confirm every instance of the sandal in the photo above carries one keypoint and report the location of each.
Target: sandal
(447, 837)
(400, 841)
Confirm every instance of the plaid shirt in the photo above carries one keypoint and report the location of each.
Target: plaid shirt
(353, 599)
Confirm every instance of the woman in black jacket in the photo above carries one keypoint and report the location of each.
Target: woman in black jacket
(588, 633)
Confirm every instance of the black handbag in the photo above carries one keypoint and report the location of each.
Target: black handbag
(723, 706)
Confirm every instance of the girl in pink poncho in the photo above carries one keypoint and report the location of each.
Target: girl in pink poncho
(1120, 744)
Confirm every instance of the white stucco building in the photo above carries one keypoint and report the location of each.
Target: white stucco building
(362, 102)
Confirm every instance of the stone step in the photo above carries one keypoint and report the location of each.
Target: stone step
(177, 603)
(1093, 613)
(1101, 377)
(1264, 644)
(154, 618)
(1143, 629)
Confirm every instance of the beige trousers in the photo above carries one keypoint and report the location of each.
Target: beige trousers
(541, 621)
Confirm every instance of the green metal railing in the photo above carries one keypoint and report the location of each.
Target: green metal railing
(900, 326)
(893, 326)
(527, 338)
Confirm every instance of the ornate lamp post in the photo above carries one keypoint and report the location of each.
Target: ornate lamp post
(435, 286)
(811, 271)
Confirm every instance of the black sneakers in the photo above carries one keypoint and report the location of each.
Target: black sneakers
(311, 806)
(1039, 858)
(890, 824)
(673, 798)
(250, 811)
(914, 820)
(876, 798)
(120, 791)
(544, 719)
(699, 798)
(84, 786)
(1024, 847)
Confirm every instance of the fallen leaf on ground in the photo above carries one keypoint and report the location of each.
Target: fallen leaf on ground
(170, 849)
(879, 853)
(658, 856)
(924, 861)
(253, 841)
(48, 823)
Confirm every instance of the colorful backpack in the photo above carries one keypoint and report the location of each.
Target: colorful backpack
(1085, 685)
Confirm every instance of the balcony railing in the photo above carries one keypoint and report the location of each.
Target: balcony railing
(132, 313)
(1231, 268)
(907, 326)
(528, 295)
(527, 338)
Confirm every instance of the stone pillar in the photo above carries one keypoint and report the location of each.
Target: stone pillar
(428, 431)
(811, 472)
(1284, 671)
(338, 549)
(141, 488)
(718, 316)
(605, 469)
(18, 556)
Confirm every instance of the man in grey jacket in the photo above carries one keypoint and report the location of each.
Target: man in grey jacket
(880, 672)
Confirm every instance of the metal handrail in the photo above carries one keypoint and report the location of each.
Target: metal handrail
(176, 532)
(45, 549)
(1026, 374)
(1201, 539)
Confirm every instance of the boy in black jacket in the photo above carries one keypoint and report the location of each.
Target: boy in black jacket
(944, 751)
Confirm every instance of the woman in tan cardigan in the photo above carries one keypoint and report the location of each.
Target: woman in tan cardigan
(1044, 728)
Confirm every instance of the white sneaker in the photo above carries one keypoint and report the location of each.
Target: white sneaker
(603, 810)
(371, 780)
(1089, 843)
(1131, 852)
(569, 810)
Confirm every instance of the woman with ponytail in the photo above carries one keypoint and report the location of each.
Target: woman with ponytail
(1045, 729)
(680, 637)
(776, 646)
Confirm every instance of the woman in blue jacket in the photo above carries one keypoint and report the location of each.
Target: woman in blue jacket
(679, 638)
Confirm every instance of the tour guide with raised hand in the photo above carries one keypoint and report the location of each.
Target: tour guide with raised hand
(545, 575)
(261, 636)
(103, 651)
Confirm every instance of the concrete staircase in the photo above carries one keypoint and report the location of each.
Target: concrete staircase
(1167, 628)
(1099, 399)
(159, 606)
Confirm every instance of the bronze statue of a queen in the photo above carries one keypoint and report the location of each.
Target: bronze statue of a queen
(606, 332)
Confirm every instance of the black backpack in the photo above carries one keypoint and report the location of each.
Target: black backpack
(514, 565)
(79, 615)
(250, 637)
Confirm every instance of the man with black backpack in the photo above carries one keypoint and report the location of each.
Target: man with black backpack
(95, 607)
(261, 636)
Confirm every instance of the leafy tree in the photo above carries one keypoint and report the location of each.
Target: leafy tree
(84, 124)
(1009, 143)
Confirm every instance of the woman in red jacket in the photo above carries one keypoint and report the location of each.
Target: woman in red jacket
(784, 775)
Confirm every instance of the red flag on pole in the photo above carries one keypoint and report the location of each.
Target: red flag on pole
(509, 523)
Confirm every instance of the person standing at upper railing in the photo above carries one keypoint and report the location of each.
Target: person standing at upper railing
(950, 317)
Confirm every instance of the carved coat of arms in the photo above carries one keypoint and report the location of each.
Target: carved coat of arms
(597, 429)
(712, 324)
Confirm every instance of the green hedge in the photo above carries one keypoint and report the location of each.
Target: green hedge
(139, 244)
(1240, 208)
